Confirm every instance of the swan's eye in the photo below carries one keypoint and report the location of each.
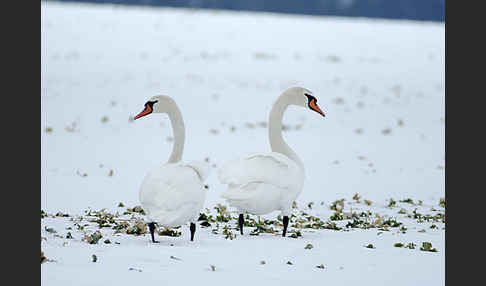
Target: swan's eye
(151, 103)
(310, 98)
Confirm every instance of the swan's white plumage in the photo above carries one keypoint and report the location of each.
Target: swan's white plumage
(266, 182)
(174, 194)
(201, 168)
(262, 182)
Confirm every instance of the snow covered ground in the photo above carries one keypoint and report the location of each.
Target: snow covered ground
(380, 83)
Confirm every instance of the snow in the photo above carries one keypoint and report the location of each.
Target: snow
(225, 69)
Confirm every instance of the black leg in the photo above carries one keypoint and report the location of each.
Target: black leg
(285, 223)
(241, 222)
(193, 230)
(152, 230)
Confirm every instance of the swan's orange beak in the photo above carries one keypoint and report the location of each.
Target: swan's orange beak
(147, 110)
(313, 105)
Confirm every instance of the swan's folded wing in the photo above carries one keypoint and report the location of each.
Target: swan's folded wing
(257, 198)
(202, 169)
(171, 187)
(176, 214)
(273, 168)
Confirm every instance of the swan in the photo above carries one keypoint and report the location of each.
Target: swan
(173, 193)
(264, 182)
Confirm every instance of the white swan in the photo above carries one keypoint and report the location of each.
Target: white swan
(266, 182)
(173, 194)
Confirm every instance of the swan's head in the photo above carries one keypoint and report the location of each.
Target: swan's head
(156, 104)
(305, 98)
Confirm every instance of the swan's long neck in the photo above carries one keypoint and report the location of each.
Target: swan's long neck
(178, 130)
(277, 142)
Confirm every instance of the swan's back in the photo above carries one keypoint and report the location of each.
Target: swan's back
(272, 167)
(173, 194)
(262, 182)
